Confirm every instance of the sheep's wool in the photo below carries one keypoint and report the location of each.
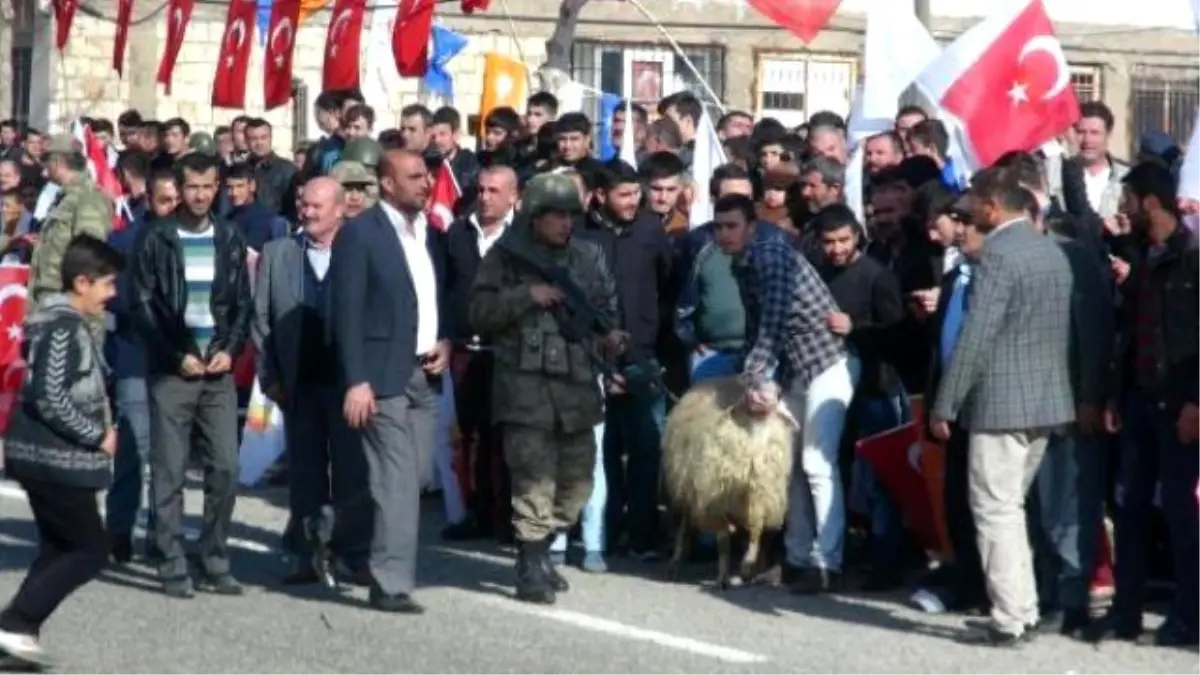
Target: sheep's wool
(720, 465)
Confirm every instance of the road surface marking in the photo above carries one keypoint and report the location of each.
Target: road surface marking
(14, 492)
(617, 629)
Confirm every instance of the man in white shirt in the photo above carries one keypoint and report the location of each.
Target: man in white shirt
(1102, 173)
(390, 334)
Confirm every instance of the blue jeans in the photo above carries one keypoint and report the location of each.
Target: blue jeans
(592, 520)
(133, 447)
(1151, 453)
(887, 527)
(713, 364)
(632, 455)
(1069, 492)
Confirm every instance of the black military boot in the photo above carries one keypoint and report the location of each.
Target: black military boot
(557, 582)
(533, 584)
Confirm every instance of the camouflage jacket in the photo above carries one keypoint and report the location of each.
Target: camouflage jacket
(540, 378)
(80, 209)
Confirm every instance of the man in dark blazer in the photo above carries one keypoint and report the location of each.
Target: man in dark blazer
(298, 370)
(1009, 385)
(467, 241)
(389, 328)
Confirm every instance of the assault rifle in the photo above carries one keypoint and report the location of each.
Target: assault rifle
(578, 320)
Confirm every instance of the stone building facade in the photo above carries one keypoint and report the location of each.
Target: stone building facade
(1148, 74)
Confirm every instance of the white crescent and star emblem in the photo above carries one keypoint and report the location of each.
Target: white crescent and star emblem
(284, 26)
(442, 214)
(336, 29)
(239, 27)
(176, 20)
(15, 331)
(1062, 76)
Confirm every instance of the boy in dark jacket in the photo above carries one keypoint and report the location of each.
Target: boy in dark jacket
(59, 444)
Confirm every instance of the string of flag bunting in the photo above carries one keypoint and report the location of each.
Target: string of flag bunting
(412, 35)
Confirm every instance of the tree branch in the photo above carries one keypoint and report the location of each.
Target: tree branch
(558, 47)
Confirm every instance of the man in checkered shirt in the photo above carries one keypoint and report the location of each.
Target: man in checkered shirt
(794, 354)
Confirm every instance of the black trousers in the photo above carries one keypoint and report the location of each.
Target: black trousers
(73, 551)
(967, 585)
(491, 498)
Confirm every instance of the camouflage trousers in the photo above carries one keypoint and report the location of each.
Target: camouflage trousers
(551, 475)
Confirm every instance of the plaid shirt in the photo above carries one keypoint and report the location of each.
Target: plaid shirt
(787, 310)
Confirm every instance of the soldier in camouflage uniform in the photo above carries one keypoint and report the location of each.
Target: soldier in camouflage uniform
(545, 395)
(79, 209)
(202, 142)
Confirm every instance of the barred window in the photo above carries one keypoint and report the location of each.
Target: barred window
(1086, 81)
(1164, 100)
(21, 58)
(646, 73)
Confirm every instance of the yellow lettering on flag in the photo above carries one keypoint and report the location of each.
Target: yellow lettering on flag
(310, 7)
(505, 83)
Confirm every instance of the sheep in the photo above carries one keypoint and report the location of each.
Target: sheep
(724, 469)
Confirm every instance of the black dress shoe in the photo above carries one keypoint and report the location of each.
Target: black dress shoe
(987, 634)
(303, 575)
(1114, 626)
(397, 603)
(1174, 633)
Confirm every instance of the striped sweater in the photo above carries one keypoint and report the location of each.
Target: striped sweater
(59, 421)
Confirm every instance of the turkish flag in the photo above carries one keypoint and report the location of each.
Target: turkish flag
(104, 176)
(411, 31)
(804, 18)
(179, 14)
(64, 16)
(281, 45)
(229, 84)
(342, 45)
(442, 198)
(13, 281)
(124, 15)
(1007, 82)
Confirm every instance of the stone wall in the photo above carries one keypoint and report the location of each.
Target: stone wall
(84, 83)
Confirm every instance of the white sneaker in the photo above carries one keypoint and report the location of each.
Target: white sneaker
(22, 647)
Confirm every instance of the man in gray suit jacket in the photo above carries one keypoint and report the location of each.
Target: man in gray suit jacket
(298, 369)
(1009, 386)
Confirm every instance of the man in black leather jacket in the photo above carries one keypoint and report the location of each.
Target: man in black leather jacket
(192, 309)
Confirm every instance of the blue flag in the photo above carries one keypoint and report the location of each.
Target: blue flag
(264, 20)
(446, 45)
(608, 107)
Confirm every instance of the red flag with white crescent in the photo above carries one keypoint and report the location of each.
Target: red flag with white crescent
(442, 198)
(64, 16)
(13, 282)
(124, 16)
(229, 84)
(104, 176)
(179, 14)
(342, 45)
(281, 45)
(411, 31)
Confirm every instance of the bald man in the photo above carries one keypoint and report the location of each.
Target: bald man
(467, 241)
(297, 369)
(391, 333)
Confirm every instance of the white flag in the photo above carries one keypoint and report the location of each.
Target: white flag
(380, 82)
(709, 154)
(1189, 173)
(628, 149)
(898, 47)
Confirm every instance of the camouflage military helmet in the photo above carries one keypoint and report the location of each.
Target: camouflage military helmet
(365, 151)
(550, 192)
(349, 173)
(202, 142)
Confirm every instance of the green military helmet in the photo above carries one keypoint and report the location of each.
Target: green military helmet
(365, 151)
(550, 192)
(202, 142)
(352, 173)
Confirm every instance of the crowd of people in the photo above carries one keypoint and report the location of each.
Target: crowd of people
(1047, 312)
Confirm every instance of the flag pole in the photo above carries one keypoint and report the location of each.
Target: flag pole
(678, 50)
(512, 31)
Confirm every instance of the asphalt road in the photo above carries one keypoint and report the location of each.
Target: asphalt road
(628, 620)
